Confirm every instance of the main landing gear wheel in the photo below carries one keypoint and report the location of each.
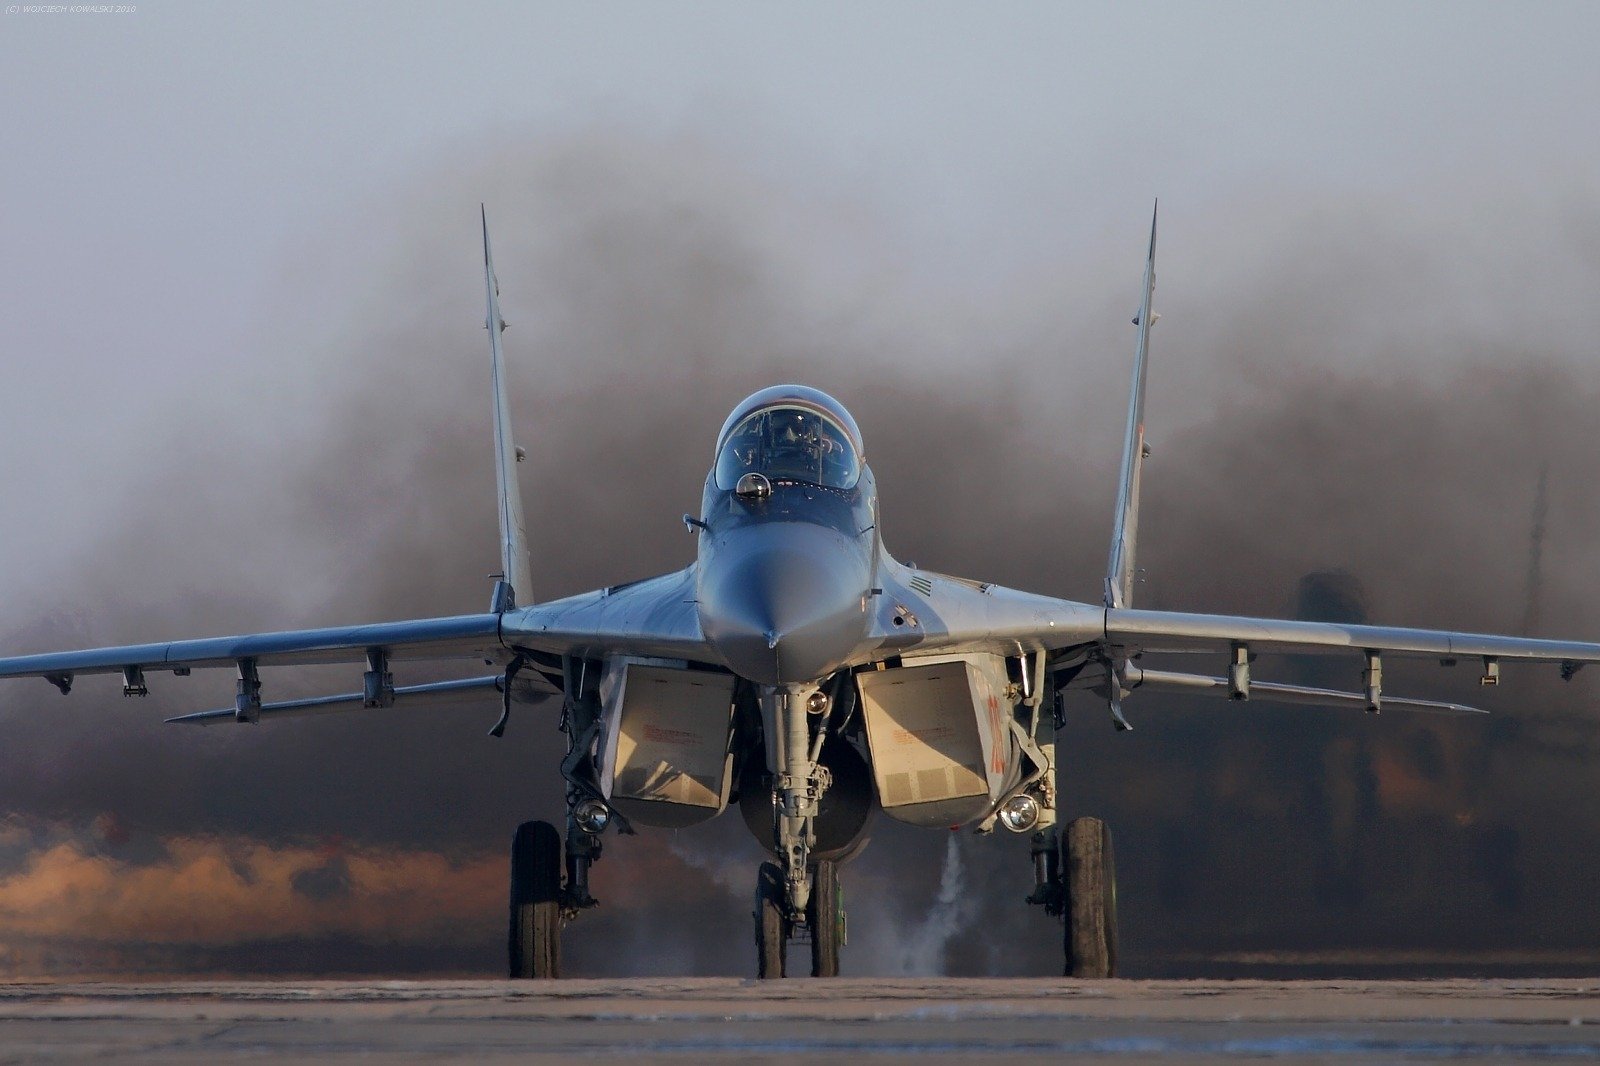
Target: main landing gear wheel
(1090, 878)
(772, 922)
(825, 916)
(536, 901)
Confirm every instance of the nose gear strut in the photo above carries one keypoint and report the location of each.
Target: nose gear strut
(798, 782)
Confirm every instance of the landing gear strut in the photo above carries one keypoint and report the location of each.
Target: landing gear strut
(796, 896)
(542, 901)
(798, 780)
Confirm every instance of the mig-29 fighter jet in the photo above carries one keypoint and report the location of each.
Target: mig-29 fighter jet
(799, 670)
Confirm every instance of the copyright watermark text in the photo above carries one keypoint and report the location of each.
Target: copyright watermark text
(72, 9)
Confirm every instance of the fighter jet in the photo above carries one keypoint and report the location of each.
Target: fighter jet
(799, 671)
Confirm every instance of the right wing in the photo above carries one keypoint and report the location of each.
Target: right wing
(470, 636)
(654, 618)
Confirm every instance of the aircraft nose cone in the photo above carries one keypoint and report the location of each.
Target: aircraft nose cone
(783, 603)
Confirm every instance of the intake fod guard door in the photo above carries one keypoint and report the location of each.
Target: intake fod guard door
(667, 760)
(939, 739)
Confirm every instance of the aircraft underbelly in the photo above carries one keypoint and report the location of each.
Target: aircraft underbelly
(665, 758)
(938, 733)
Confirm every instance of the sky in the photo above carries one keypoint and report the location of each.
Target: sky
(245, 388)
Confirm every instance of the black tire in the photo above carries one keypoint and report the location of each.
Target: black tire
(825, 916)
(772, 922)
(1090, 874)
(535, 942)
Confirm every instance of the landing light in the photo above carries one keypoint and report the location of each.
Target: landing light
(1020, 813)
(592, 816)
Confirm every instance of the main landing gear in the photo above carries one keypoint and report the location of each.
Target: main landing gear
(1076, 876)
(536, 901)
(542, 901)
(549, 882)
(807, 801)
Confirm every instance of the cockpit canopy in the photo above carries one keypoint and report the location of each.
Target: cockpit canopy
(790, 433)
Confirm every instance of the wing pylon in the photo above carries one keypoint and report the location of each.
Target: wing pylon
(437, 694)
(1277, 692)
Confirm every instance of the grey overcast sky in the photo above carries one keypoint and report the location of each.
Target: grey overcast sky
(194, 194)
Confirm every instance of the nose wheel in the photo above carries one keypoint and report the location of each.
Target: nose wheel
(772, 922)
(823, 924)
(825, 919)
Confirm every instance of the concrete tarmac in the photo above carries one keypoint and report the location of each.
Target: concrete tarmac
(721, 1019)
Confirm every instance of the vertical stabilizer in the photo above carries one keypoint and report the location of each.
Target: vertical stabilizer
(1541, 513)
(1124, 531)
(515, 566)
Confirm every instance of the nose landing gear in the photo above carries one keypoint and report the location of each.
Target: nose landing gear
(775, 925)
(797, 897)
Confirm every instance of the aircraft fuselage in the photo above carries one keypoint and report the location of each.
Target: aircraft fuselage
(785, 580)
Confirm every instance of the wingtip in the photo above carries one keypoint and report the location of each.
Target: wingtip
(1154, 212)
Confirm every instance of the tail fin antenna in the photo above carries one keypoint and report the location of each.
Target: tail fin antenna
(1124, 532)
(516, 568)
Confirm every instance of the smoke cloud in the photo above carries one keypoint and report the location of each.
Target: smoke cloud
(1300, 468)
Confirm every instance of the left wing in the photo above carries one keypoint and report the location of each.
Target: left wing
(942, 613)
(1201, 684)
(1130, 631)
(924, 613)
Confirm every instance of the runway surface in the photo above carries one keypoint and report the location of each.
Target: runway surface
(882, 1020)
